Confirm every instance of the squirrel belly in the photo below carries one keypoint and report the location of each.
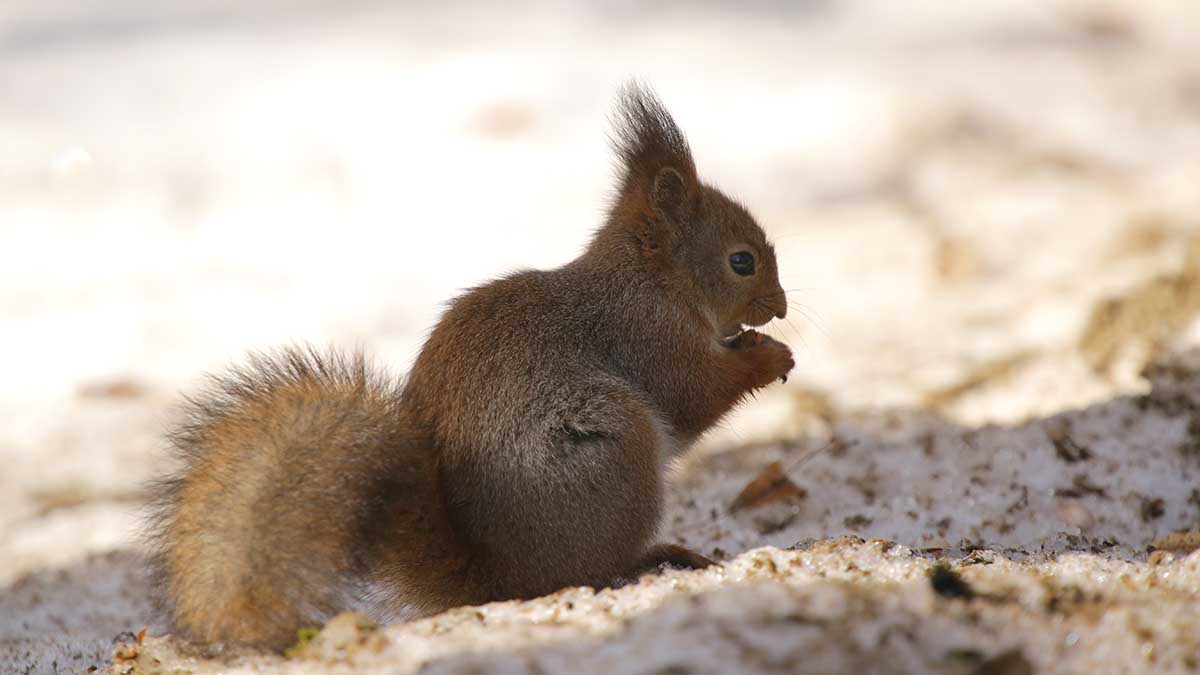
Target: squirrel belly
(523, 452)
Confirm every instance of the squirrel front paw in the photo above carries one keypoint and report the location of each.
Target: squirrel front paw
(770, 359)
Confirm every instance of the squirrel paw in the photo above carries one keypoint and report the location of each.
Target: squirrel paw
(771, 359)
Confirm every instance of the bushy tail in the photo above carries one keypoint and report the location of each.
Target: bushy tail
(258, 531)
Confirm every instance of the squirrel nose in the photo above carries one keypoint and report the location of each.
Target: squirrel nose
(781, 304)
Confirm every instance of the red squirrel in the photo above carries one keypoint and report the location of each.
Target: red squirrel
(524, 451)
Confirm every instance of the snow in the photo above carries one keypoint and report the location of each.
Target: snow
(984, 210)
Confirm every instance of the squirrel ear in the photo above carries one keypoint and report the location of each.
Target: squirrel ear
(658, 177)
(669, 193)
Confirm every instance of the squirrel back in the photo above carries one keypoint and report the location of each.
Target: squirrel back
(523, 453)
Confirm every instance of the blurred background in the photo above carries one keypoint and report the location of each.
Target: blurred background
(988, 210)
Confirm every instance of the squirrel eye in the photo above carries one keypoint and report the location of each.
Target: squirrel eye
(742, 262)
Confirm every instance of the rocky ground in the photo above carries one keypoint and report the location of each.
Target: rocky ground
(988, 220)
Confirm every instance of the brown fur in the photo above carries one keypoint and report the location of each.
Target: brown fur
(524, 452)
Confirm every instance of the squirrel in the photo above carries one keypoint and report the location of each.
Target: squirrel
(524, 451)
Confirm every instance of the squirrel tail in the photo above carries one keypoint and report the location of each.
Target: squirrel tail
(261, 530)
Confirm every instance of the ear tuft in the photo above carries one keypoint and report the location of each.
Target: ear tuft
(657, 172)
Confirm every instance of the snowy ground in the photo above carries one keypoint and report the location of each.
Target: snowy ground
(990, 211)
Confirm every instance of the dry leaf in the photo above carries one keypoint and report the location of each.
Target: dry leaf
(116, 388)
(1178, 541)
(771, 485)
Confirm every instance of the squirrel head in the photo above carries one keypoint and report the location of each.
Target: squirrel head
(706, 245)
